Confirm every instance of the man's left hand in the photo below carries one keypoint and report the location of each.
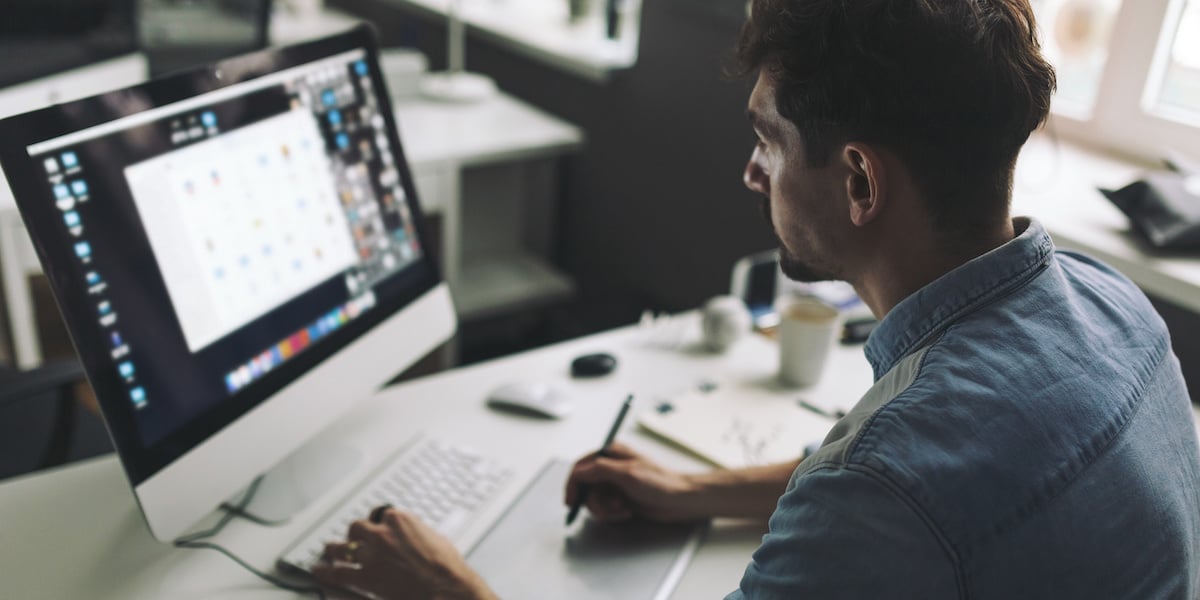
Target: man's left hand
(400, 557)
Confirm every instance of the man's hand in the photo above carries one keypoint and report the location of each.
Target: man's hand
(625, 484)
(400, 557)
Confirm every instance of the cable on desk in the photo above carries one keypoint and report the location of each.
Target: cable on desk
(239, 510)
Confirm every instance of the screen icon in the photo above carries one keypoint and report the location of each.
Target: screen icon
(79, 187)
(71, 218)
(69, 160)
(138, 396)
(51, 165)
(62, 192)
(126, 369)
(209, 119)
(107, 317)
(83, 250)
(95, 283)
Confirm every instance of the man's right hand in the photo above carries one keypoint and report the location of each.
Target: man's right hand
(625, 484)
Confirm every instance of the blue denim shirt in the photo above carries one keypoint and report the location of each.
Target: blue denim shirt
(1028, 435)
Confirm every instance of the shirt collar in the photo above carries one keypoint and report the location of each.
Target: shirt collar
(926, 313)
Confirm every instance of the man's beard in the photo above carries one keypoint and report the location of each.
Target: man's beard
(792, 266)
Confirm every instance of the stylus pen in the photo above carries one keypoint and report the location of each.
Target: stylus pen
(581, 499)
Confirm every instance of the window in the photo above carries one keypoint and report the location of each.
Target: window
(1178, 93)
(1129, 73)
(1075, 37)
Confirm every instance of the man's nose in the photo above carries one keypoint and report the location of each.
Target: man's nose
(755, 177)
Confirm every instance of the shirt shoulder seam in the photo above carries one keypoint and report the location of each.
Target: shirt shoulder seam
(902, 496)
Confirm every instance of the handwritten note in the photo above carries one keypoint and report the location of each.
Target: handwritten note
(737, 426)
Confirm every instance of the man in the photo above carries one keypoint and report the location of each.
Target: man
(1029, 432)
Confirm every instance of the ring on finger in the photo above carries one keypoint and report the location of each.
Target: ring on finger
(351, 552)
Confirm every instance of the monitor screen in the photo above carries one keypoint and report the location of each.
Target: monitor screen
(213, 236)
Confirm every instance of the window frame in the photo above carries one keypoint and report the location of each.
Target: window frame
(1124, 119)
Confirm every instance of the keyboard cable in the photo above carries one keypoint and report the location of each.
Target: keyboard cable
(232, 511)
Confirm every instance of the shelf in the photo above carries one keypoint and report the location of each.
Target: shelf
(493, 285)
(498, 129)
(541, 31)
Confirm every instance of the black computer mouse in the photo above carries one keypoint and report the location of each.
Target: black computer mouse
(593, 365)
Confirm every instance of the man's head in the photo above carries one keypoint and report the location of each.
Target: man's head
(859, 102)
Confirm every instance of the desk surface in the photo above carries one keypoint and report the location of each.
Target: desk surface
(76, 532)
(1057, 183)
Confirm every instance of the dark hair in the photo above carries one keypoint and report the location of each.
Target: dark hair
(954, 87)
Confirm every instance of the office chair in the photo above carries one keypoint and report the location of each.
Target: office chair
(42, 424)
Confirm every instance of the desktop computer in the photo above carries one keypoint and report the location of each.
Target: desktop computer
(238, 254)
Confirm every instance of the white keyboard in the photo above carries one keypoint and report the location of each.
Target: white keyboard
(444, 485)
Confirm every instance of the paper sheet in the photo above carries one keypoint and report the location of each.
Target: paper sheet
(737, 426)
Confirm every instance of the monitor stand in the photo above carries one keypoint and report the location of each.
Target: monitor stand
(300, 479)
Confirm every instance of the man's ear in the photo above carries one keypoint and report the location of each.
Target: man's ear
(866, 182)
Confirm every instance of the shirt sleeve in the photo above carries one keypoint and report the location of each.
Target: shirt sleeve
(842, 532)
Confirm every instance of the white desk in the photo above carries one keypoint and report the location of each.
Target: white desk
(1057, 184)
(76, 533)
(441, 140)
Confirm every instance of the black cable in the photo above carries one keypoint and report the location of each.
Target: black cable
(253, 518)
(239, 510)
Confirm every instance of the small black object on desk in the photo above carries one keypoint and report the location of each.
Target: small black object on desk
(593, 365)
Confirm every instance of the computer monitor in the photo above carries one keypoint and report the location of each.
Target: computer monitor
(238, 253)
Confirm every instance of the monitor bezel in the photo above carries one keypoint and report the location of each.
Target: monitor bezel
(39, 214)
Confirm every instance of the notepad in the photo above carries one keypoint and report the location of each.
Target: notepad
(737, 426)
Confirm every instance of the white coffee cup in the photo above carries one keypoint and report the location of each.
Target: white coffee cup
(806, 336)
